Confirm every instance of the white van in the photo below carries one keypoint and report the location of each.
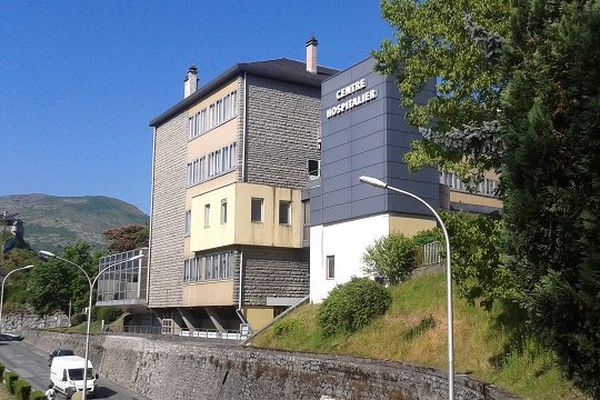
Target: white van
(67, 375)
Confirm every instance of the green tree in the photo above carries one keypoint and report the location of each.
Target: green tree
(128, 237)
(551, 176)
(54, 283)
(458, 46)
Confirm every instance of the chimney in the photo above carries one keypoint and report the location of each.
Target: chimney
(190, 83)
(311, 54)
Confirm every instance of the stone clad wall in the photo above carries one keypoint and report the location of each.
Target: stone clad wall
(15, 322)
(183, 369)
(168, 213)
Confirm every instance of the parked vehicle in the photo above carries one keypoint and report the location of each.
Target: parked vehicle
(66, 373)
(10, 337)
(59, 353)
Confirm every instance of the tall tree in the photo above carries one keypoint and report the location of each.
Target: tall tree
(457, 44)
(551, 176)
(128, 237)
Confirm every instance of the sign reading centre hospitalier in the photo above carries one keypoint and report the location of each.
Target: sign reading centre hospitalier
(362, 98)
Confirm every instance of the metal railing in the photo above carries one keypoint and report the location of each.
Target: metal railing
(195, 333)
(428, 255)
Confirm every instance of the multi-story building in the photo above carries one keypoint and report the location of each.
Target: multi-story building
(229, 163)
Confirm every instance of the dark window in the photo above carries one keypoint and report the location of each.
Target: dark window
(285, 212)
(330, 267)
(257, 210)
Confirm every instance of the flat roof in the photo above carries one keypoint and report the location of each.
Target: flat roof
(281, 69)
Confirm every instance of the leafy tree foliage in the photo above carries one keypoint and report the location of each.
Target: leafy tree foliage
(54, 283)
(128, 237)
(551, 175)
(16, 285)
(477, 265)
(352, 305)
(458, 45)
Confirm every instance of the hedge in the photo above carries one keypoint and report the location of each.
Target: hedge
(9, 377)
(37, 395)
(21, 389)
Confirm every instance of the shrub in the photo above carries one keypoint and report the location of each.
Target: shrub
(9, 377)
(286, 325)
(21, 389)
(2, 368)
(37, 395)
(77, 319)
(352, 305)
(108, 314)
(391, 257)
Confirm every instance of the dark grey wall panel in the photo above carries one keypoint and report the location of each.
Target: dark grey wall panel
(368, 139)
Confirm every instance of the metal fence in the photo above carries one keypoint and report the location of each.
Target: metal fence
(195, 333)
(428, 255)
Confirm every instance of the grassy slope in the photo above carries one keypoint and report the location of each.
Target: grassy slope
(414, 330)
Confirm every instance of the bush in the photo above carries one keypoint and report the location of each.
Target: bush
(286, 325)
(21, 389)
(2, 368)
(392, 257)
(37, 395)
(77, 319)
(352, 305)
(9, 377)
(108, 314)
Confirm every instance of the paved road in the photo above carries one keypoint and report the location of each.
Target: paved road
(32, 365)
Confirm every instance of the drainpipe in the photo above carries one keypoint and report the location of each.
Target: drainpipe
(239, 309)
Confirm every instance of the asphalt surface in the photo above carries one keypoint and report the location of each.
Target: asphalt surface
(32, 365)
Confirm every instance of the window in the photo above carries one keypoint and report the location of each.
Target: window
(224, 211)
(330, 266)
(188, 222)
(167, 326)
(306, 221)
(314, 170)
(206, 215)
(208, 268)
(214, 115)
(285, 212)
(195, 171)
(221, 161)
(256, 212)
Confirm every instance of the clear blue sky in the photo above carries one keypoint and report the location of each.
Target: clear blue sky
(80, 80)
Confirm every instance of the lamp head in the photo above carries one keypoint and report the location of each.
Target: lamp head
(373, 182)
(46, 254)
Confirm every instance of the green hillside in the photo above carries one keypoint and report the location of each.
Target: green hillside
(492, 346)
(51, 221)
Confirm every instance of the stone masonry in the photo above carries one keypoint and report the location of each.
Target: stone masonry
(283, 128)
(271, 271)
(186, 369)
(168, 213)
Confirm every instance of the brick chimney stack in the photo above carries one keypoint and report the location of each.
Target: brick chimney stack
(190, 82)
(311, 54)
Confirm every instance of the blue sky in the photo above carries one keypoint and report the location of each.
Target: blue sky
(80, 80)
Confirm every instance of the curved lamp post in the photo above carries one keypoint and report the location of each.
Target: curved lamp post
(91, 282)
(2, 292)
(380, 184)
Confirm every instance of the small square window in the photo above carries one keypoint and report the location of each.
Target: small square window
(206, 215)
(256, 213)
(285, 212)
(224, 211)
(330, 266)
(314, 169)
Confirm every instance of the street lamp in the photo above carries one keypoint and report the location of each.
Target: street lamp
(2, 292)
(92, 282)
(380, 184)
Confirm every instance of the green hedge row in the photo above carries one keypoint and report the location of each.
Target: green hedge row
(20, 388)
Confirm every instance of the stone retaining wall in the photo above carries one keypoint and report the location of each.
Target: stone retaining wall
(16, 322)
(184, 368)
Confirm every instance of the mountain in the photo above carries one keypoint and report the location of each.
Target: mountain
(51, 222)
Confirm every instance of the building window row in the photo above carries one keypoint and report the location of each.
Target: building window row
(488, 187)
(208, 268)
(214, 115)
(216, 163)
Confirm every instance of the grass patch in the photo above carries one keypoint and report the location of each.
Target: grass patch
(492, 346)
